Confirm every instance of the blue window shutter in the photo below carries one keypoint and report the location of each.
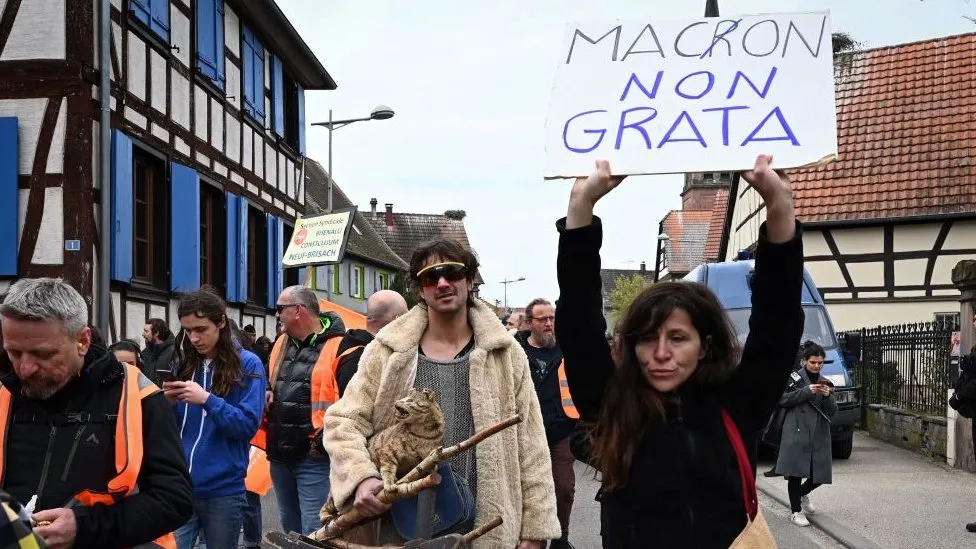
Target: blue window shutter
(242, 249)
(258, 79)
(159, 11)
(232, 213)
(184, 259)
(120, 233)
(9, 168)
(206, 40)
(301, 120)
(247, 56)
(272, 266)
(140, 9)
(277, 96)
(218, 31)
(279, 256)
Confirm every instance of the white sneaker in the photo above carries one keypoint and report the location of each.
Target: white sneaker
(799, 519)
(805, 505)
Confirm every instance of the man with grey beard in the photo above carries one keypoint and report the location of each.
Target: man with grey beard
(538, 338)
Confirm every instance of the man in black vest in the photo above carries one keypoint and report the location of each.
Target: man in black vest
(545, 357)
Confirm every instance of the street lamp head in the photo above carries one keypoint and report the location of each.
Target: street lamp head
(381, 112)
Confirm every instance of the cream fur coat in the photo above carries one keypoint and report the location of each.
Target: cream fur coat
(514, 474)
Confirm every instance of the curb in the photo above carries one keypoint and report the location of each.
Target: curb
(830, 526)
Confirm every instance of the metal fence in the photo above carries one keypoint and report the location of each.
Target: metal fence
(907, 366)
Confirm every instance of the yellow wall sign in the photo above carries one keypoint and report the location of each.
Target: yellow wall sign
(319, 240)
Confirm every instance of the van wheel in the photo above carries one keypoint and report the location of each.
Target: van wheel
(842, 449)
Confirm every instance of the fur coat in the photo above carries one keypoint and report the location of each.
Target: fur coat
(514, 473)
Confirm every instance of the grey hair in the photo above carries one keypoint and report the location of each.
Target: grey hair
(44, 299)
(305, 297)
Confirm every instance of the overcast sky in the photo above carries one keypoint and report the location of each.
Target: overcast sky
(470, 84)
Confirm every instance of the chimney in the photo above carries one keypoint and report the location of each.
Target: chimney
(643, 267)
(372, 206)
(389, 217)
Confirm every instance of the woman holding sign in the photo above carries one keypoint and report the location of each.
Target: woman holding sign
(673, 427)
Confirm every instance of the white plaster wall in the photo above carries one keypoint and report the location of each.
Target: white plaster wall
(942, 273)
(233, 143)
(38, 31)
(269, 327)
(866, 274)
(200, 102)
(235, 313)
(289, 174)
(4, 284)
(117, 39)
(160, 132)
(135, 117)
(30, 113)
(962, 235)
(135, 319)
(234, 89)
(826, 274)
(116, 299)
(50, 238)
(865, 240)
(157, 311)
(174, 319)
(247, 138)
(915, 237)
(232, 30)
(259, 156)
(855, 315)
(217, 125)
(301, 184)
(55, 156)
(180, 92)
(271, 174)
(814, 243)
(22, 195)
(136, 62)
(910, 272)
(179, 34)
(158, 68)
(181, 146)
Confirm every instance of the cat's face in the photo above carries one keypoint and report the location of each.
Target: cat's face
(416, 406)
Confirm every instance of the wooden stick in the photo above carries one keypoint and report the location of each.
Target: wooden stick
(482, 530)
(417, 480)
(443, 454)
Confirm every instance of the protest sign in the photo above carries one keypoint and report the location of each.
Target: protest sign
(319, 240)
(676, 96)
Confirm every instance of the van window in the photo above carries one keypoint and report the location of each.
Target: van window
(815, 326)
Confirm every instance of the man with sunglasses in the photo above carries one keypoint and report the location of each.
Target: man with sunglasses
(300, 369)
(558, 414)
(455, 346)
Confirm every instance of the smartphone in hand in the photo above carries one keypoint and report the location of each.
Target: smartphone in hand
(166, 375)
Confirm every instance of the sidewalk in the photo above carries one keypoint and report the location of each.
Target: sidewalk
(893, 497)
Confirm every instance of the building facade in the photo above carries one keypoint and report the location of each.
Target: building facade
(207, 151)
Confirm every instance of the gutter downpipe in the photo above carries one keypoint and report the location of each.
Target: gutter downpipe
(104, 167)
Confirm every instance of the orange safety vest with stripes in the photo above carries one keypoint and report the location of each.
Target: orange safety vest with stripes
(325, 391)
(568, 407)
(128, 448)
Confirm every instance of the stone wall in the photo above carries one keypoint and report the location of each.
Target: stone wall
(920, 433)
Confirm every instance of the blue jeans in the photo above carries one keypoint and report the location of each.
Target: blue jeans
(252, 521)
(301, 488)
(218, 520)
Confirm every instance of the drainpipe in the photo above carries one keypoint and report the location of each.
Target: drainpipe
(104, 167)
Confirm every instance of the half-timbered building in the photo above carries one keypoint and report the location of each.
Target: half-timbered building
(207, 150)
(886, 222)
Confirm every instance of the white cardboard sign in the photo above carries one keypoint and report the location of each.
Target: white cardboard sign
(697, 95)
(319, 240)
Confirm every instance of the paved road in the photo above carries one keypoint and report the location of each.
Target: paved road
(585, 526)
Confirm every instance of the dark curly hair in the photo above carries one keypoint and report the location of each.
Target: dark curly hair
(228, 370)
(447, 250)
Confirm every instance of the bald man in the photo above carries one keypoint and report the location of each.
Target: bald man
(382, 308)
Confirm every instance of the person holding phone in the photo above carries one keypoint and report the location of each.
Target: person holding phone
(805, 448)
(218, 393)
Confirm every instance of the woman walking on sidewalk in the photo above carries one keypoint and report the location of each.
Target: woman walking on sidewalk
(805, 448)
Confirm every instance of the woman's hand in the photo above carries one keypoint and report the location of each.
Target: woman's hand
(777, 194)
(587, 191)
(190, 392)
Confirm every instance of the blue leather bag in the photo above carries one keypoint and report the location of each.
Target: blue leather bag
(453, 506)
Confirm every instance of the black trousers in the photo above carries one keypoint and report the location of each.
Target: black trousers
(798, 490)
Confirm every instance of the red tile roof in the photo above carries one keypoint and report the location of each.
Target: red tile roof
(906, 129)
(716, 226)
(687, 232)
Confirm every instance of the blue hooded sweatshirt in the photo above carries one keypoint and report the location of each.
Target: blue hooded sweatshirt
(216, 436)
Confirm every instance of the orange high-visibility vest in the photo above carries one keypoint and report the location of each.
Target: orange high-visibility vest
(568, 407)
(258, 479)
(128, 447)
(325, 388)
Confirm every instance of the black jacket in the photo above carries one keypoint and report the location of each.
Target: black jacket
(158, 357)
(349, 364)
(290, 417)
(65, 444)
(545, 377)
(684, 488)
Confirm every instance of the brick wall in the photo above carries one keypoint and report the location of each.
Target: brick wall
(698, 199)
(923, 434)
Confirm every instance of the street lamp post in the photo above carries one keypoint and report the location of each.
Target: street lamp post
(506, 283)
(381, 112)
